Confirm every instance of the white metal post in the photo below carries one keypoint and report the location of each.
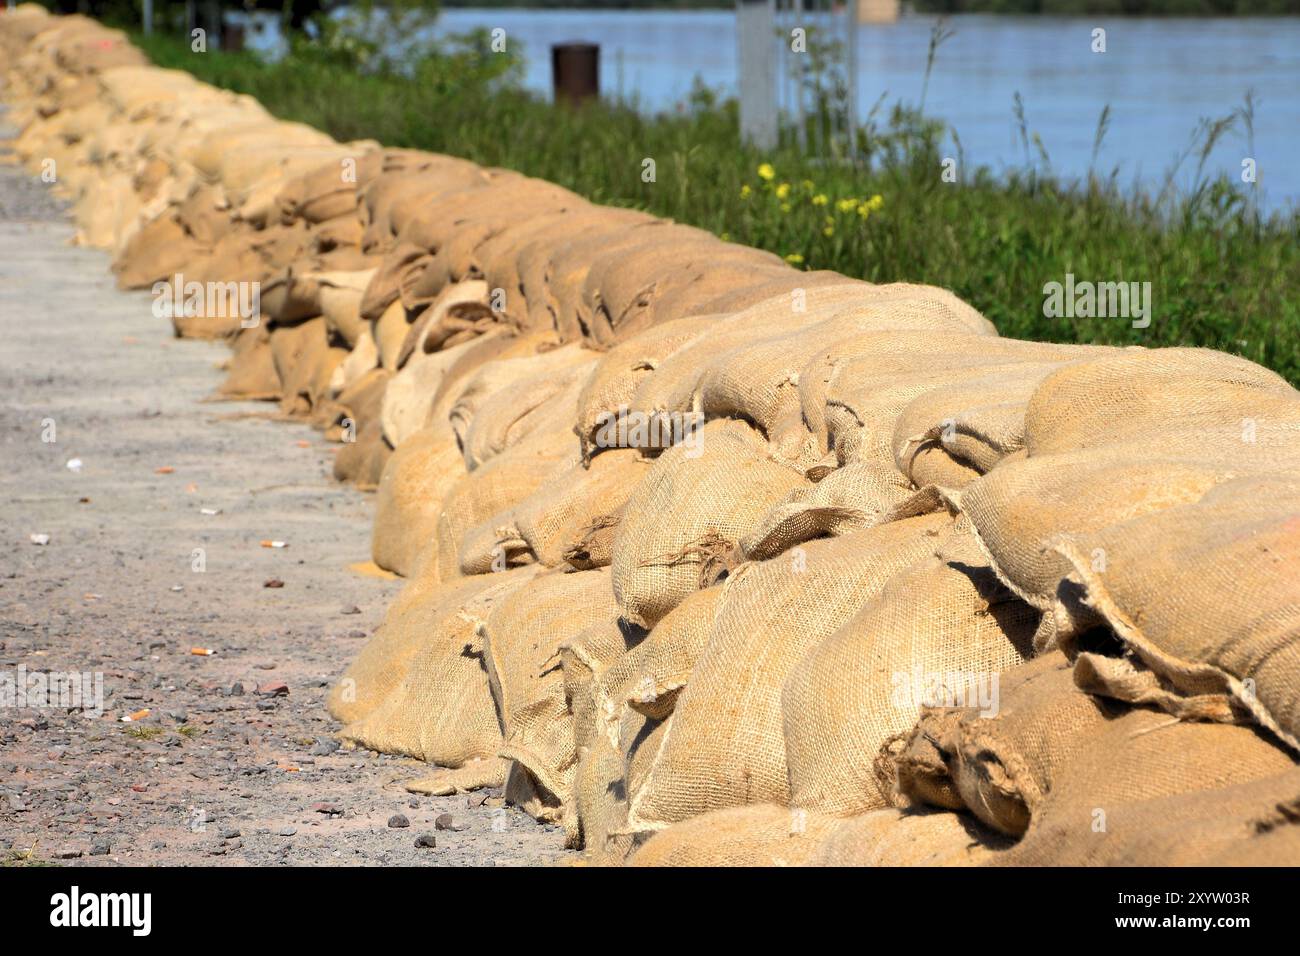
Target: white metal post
(755, 48)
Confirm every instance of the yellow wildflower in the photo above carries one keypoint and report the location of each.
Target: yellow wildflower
(785, 207)
(794, 259)
(828, 231)
(782, 191)
(765, 171)
(846, 205)
(876, 201)
(745, 191)
(820, 199)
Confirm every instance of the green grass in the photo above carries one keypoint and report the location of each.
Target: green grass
(1221, 276)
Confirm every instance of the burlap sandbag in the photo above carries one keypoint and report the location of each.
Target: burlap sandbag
(251, 374)
(478, 498)
(1004, 763)
(322, 193)
(305, 360)
(418, 476)
(597, 788)
(851, 396)
(943, 629)
(1139, 393)
(510, 414)
(455, 312)
(976, 422)
(595, 545)
(698, 499)
(761, 835)
(157, 251)
(846, 499)
(608, 391)
(1021, 507)
(362, 462)
(1226, 826)
(674, 382)
(354, 408)
(909, 838)
(498, 260)
(408, 405)
(384, 661)
(757, 378)
(631, 257)
(726, 745)
(1207, 596)
(531, 303)
(524, 636)
(1146, 767)
(442, 711)
(649, 678)
(500, 385)
(555, 518)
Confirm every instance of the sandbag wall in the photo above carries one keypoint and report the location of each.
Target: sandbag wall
(709, 559)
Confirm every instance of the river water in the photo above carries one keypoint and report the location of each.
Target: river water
(1159, 77)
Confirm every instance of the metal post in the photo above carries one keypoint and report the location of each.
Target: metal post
(147, 17)
(851, 14)
(755, 36)
(575, 72)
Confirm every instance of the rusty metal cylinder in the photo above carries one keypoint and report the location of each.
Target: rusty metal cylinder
(575, 71)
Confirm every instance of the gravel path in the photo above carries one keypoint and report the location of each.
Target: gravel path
(224, 770)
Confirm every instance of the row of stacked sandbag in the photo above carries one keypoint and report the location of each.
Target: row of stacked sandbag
(913, 593)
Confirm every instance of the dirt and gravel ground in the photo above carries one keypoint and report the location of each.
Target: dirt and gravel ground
(226, 769)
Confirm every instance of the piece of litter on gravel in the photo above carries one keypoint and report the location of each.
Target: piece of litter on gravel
(191, 488)
(164, 470)
(178, 587)
(138, 715)
(303, 443)
(275, 544)
(273, 583)
(209, 511)
(83, 501)
(74, 464)
(40, 539)
(202, 651)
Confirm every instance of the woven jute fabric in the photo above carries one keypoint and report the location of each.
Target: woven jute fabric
(909, 838)
(696, 501)
(1152, 790)
(760, 835)
(1206, 595)
(524, 637)
(726, 744)
(943, 629)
